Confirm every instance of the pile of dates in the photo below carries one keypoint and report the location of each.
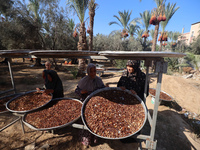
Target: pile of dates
(114, 114)
(29, 101)
(163, 95)
(62, 112)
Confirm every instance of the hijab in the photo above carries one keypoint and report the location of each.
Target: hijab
(88, 83)
(135, 64)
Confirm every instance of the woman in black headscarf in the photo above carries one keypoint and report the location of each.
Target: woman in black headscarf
(133, 79)
(53, 84)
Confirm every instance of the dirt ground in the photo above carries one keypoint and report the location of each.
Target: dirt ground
(177, 126)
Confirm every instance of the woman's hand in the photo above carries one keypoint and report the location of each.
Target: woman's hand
(38, 89)
(133, 91)
(84, 91)
(48, 91)
(122, 87)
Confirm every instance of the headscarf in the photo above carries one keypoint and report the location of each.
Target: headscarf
(91, 65)
(135, 64)
(135, 80)
(88, 83)
(55, 84)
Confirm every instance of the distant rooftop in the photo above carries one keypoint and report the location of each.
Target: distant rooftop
(196, 23)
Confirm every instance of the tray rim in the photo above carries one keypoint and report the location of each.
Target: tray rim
(15, 94)
(56, 127)
(20, 112)
(172, 99)
(112, 88)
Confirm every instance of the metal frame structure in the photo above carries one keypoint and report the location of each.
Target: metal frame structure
(148, 57)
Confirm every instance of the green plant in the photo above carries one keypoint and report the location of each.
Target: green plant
(74, 72)
(172, 64)
(120, 63)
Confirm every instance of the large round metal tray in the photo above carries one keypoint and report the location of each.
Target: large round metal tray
(14, 111)
(12, 96)
(47, 106)
(160, 98)
(105, 89)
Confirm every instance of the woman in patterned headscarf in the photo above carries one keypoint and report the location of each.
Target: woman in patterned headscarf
(89, 83)
(133, 79)
(86, 86)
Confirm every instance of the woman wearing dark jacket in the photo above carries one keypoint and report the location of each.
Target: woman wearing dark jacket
(133, 79)
(54, 84)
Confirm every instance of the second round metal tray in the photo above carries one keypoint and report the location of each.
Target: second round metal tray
(105, 89)
(56, 127)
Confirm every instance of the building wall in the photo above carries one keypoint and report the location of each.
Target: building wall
(190, 36)
(194, 32)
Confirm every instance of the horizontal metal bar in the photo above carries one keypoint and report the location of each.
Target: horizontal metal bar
(141, 136)
(4, 92)
(79, 126)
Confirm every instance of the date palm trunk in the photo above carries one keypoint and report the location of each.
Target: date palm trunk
(82, 45)
(160, 48)
(154, 44)
(91, 14)
(155, 37)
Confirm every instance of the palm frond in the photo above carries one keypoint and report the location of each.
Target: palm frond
(80, 7)
(169, 12)
(146, 16)
(114, 22)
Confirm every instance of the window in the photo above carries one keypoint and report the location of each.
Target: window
(192, 34)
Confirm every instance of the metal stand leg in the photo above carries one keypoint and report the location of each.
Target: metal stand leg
(11, 76)
(10, 124)
(22, 125)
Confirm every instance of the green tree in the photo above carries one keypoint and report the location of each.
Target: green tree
(124, 21)
(196, 46)
(156, 12)
(169, 12)
(174, 37)
(132, 29)
(5, 6)
(145, 16)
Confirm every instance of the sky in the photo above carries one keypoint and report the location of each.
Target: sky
(187, 14)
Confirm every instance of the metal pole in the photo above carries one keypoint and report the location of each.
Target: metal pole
(10, 124)
(155, 112)
(79, 126)
(22, 124)
(146, 84)
(11, 76)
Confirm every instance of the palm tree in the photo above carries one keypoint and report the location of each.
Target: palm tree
(132, 29)
(169, 12)
(124, 21)
(71, 24)
(174, 37)
(80, 7)
(155, 13)
(34, 9)
(92, 9)
(152, 34)
(146, 16)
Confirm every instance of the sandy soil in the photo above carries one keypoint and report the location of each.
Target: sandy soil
(173, 129)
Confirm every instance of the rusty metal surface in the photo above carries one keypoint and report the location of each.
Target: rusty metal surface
(139, 54)
(143, 55)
